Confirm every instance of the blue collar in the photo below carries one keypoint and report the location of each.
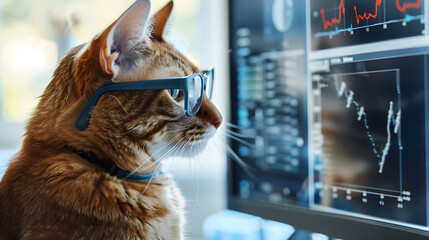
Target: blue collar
(110, 167)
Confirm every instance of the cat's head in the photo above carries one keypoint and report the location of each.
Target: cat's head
(127, 126)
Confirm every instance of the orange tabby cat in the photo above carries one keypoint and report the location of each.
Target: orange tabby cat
(59, 185)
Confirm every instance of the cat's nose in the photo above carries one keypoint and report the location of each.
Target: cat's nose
(218, 121)
(209, 112)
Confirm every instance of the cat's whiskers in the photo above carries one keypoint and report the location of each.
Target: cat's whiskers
(237, 158)
(159, 165)
(173, 152)
(233, 132)
(181, 148)
(150, 180)
(239, 134)
(119, 102)
(178, 146)
(166, 145)
(153, 155)
(231, 125)
(239, 140)
(129, 131)
(195, 179)
(200, 150)
(176, 130)
(157, 161)
(177, 149)
(139, 125)
(186, 144)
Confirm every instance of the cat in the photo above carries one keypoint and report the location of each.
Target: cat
(59, 185)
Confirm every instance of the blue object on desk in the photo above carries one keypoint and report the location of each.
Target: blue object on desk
(277, 231)
(232, 225)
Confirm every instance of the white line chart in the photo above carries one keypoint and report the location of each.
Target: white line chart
(393, 119)
(382, 130)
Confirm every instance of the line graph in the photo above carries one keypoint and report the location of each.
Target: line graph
(352, 30)
(366, 139)
(408, 5)
(392, 121)
(330, 23)
(361, 128)
(360, 124)
(349, 21)
(367, 15)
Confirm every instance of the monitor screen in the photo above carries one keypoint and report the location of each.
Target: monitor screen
(329, 111)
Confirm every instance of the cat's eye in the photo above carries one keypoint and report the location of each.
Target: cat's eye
(176, 94)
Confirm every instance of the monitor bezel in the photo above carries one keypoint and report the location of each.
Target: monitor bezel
(343, 227)
(332, 224)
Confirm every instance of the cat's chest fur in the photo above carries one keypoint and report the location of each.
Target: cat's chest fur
(170, 223)
(75, 201)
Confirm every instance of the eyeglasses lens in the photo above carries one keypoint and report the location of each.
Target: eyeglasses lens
(195, 94)
(209, 84)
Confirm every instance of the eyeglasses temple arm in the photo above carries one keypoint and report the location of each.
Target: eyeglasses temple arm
(172, 83)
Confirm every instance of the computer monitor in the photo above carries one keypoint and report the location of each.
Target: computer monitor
(330, 115)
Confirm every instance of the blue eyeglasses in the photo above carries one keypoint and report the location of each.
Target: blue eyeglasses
(193, 87)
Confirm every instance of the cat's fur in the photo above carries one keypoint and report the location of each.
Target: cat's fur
(50, 192)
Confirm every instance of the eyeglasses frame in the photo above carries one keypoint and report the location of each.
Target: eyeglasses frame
(182, 83)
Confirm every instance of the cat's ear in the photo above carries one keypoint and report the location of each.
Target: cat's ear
(122, 35)
(160, 20)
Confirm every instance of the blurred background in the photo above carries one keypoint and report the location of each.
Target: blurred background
(35, 35)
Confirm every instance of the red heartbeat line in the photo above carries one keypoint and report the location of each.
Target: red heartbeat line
(327, 23)
(408, 5)
(342, 10)
(370, 15)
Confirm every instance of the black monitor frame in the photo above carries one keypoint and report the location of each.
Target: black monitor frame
(331, 224)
